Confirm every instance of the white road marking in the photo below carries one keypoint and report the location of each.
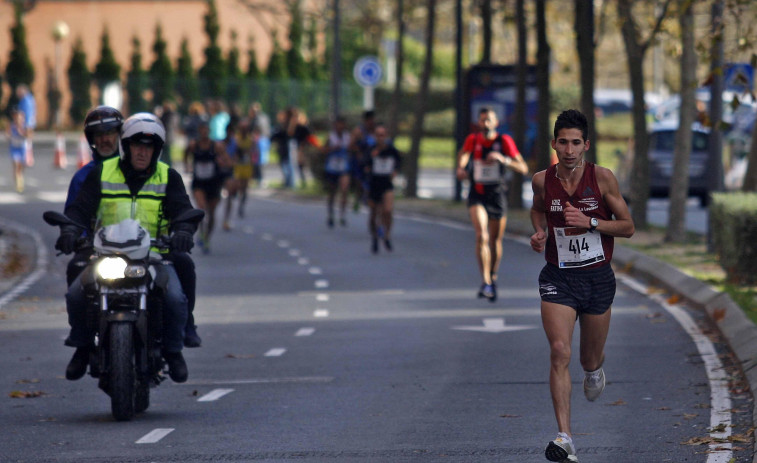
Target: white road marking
(303, 261)
(282, 243)
(315, 270)
(305, 332)
(275, 352)
(53, 196)
(39, 266)
(322, 297)
(155, 435)
(215, 394)
(494, 325)
(321, 313)
(296, 379)
(11, 198)
(249, 230)
(294, 252)
(720, 399)
(321, 284)
(267, 237)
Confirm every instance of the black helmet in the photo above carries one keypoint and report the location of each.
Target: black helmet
(100, 120)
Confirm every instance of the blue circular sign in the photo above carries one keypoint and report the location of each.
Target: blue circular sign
(367, 71)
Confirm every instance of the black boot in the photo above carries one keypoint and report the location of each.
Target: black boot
(177, 367)
(78, 364)
(191, 338)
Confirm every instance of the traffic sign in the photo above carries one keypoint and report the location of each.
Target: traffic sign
(367, 71)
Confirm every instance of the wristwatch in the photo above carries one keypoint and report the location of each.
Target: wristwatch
(594, 223)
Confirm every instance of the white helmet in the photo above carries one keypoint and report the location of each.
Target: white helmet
(143, 128)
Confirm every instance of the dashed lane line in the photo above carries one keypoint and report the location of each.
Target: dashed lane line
(305, 332)
(214, 395)
(275, 352)
(155, 435)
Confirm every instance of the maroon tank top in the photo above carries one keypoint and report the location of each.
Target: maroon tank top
(587, 198)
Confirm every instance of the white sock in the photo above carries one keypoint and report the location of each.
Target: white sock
(593, 374)
(565, 436)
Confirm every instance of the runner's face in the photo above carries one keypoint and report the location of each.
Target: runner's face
(106, 143)
(141, 155)
(570, 147)
(488, 121)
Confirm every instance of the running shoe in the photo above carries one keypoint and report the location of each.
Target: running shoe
(486, 291)
(494, 292)
(374, 245)
(343, 222)
(388, 244)
(594, 384)
(226, 226)
(561, 449)
(330, 222)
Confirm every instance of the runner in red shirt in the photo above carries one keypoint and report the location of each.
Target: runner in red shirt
(484, 160)
(572, 214)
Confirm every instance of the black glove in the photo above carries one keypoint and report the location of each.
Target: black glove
(182, 241)
(67, 241)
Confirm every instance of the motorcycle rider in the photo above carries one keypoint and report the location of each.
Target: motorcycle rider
(136, 176)
(102, 128)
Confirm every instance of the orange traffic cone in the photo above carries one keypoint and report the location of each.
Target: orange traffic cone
(60, 161)
(29, 154)
(85, 155)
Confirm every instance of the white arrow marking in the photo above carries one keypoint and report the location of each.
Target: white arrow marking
(155, 435)
(494, 325)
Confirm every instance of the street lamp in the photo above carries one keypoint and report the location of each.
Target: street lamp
(59, 32)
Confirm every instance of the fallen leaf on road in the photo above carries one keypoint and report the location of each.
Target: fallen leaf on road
(674, 299)
(237, 356)
(26, 395)
(509, 416)
(718, 314)
(663, 408)
(618, 402)
(27, 381)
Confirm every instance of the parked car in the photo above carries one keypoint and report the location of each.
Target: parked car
(661, 152)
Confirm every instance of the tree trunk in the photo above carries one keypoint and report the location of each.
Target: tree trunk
(486, 19)
(411, 169)
(750, 178)
(397, 95)
(679, 182)
(640, 169)
(584, 28)
(515, 193)
(542, 77)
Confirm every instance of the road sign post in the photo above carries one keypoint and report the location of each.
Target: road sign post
(368, 74)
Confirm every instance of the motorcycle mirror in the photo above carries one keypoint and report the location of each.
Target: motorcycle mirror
(56, 219)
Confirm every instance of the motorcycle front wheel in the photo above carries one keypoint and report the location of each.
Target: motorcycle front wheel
(122, 373)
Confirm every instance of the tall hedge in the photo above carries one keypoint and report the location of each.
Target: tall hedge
(19, 69)
(161, 71)
(733, 225)
(107, 69)
(136, 79)
(79, 82)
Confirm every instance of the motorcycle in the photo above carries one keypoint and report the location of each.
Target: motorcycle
(124, 309)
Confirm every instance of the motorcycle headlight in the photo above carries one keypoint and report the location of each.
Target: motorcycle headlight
(135, 271)
(111, 268)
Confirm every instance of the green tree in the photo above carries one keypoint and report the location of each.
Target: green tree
(296, 66)
(107, 70)
(277, 65)
(186, 80)
(19, 69)
(235, 89)
(253, 71)
(315, 67)
(162, 75)
(79, 82)
(213, 72)
(136, 79)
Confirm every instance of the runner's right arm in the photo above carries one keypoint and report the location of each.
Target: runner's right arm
(538, 213)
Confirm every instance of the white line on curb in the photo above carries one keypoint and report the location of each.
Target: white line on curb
(215, 394)
(39, 266)
(720, 399)
(155, 435)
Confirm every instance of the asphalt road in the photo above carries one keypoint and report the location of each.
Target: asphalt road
(317, 350)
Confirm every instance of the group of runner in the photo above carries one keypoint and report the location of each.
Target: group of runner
(364, 161)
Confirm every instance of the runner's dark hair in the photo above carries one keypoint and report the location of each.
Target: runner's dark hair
(572, 119)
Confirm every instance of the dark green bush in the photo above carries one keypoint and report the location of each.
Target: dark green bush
(733, 225)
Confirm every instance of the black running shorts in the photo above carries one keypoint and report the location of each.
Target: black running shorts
(494, 201)
(589, 291)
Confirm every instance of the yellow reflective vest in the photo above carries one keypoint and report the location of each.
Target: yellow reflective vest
(117, 203)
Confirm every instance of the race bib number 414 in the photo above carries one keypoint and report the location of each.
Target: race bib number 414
(577, 247)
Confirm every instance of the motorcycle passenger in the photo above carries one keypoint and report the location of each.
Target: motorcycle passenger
(136, 176)
(102, 128)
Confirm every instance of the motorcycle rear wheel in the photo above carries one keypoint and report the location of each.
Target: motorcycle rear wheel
(122, 372)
